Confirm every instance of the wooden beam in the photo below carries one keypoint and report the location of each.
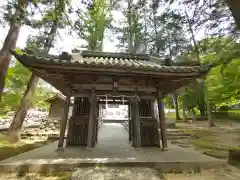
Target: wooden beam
(92, 119)
(57, 80)
(120, 87)
(103, 78)
(161, 114)
(58, 84)
(113, 102)
(64, 122)
(142, 95)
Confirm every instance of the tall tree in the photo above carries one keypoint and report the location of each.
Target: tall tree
(93, 20)
(234, 6)
(16, 20)
(52, 21)
(131, 30)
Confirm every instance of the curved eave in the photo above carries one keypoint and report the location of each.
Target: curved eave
(37, 63)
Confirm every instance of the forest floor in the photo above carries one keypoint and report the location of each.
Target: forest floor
(214, 141)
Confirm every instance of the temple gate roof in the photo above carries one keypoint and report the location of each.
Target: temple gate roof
(84, 70)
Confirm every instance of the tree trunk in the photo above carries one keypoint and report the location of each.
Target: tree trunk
(145, 32)
(193, 37)
(201, 107)
(201, 103)
(209, 109)
(209, 105)
(130, 41)
(175, 102)
(184, 110)
(10, 42)
(26, 100)
(193, 115)
(202, 99)
(22, 110)
(234, 6)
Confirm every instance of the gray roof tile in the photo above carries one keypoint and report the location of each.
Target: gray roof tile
(114, 61)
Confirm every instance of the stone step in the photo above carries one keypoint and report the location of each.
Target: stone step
(33, 137)
(178, 134)
(216, 154)
(177, 137)
(175, 130)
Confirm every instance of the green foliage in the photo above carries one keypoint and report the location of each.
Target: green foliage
(222, 82)
(224, 88)
(92, 23)
(16, 83)
(18, 51)
(131, 31)
(42, 94)
(168, 102)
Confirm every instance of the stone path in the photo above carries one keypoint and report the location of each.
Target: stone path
(113, 136)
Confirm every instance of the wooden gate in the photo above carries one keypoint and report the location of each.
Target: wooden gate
(78, 124)
(148, 123)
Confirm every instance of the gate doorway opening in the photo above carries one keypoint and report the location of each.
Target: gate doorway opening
(113, 113)
(114, 125)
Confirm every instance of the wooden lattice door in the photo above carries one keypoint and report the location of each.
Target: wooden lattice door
(78, 124)
(148, 123)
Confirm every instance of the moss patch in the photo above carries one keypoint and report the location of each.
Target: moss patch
(213, 142)
(8, 150)
(38, 176)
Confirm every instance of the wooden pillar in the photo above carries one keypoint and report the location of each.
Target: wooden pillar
(133, 128)
(96, 123)
(156, 116)
(161, 114)
(137, 125)
(92, 119)
(129, 123)
(64, 122)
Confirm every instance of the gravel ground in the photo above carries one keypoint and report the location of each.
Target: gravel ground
(120, 173)
(96, 173)
(124, 173)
